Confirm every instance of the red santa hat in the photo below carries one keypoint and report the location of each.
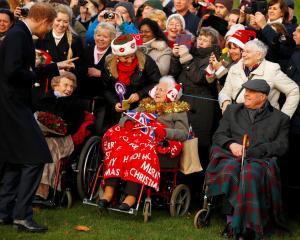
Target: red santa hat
(174, 93)
(241, 37)
(124, 45)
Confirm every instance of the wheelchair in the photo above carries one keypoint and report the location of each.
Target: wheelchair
(178, 197)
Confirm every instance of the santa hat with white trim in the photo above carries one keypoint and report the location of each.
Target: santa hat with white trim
(241, 37)
(124, 45)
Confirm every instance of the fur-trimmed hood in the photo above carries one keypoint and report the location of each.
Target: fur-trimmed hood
(159, 45)
(111, 62)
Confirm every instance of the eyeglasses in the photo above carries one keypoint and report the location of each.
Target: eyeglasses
(145, 32)
(177, 25)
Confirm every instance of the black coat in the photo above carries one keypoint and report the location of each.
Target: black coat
(60, 53)
(141, 81)
(204, 113)
(22, 141)
(280, 47)
(93, 86)
(268, 133)
(293, 72)
(70, 109)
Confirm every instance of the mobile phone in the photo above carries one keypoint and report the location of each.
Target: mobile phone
(184, 39)
(125, 105)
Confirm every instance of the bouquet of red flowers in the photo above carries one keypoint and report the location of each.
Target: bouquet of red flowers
(51, 123)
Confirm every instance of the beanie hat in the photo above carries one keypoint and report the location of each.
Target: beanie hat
(217, 23)
(290, 3)
(176, 16)
(128, 6)
(234, 28)
(124, 45)
(156, 4)
(227, 3)
(241, 37)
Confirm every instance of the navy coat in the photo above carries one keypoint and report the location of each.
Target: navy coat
(22, 141)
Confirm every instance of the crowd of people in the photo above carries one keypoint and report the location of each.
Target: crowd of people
(236, 70)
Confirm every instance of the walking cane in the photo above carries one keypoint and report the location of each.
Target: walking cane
(246, 143)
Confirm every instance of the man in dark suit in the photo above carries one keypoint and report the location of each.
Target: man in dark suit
(23, 148)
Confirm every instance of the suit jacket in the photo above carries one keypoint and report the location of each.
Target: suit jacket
(22, 140)
(268, 133)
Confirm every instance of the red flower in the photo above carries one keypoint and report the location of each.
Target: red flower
(52, 122)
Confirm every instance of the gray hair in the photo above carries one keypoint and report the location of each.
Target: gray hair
(210, 32)
(259, 45)
(171, 83)
(106, 26)
(178, 17)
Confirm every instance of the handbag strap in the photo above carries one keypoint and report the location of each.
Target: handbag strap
(239, 92)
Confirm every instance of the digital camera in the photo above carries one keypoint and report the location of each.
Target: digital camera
(109, 15)
(82, 2)
(257, 6)
(24, 11)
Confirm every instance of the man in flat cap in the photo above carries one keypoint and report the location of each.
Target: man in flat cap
(249, 190)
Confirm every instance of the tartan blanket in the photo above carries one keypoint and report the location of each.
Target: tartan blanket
(254, 193)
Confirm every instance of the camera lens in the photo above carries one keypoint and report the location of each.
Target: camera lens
(24, 12)
(108, 15)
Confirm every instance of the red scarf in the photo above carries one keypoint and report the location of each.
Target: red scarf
(125, 71)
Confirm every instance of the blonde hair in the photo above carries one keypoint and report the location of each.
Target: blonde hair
(107, 26)
(61, 8)
(160, 15)
(71, 76)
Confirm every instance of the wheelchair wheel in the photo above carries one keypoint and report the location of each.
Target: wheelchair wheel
(66, 200)
(201, 219)
(89, 161)
(180, 200)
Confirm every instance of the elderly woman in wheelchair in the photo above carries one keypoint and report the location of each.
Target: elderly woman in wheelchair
(248, 176)
(131, 147)
(63, 120)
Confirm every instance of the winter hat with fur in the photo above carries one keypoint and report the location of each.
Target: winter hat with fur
(124, 45)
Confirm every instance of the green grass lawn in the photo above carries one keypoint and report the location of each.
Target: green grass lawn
(117, 226)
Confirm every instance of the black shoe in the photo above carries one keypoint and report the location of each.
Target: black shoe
(29, 226)
(103, 203)
(227, 232)
(37, 200)
(5, 221)
(124, 207)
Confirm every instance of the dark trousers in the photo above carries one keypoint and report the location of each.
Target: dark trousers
(131, 188)
(20, 182)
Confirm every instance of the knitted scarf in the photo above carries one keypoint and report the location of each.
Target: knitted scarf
(125, 72)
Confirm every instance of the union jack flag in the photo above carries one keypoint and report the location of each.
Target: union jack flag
(143, 119)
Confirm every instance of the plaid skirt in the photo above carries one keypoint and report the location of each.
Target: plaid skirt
(254, 192)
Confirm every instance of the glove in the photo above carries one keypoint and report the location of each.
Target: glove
(128, 125)
(83, 132)
(79, 137)
(183, 50)
(160, 134)
(184, 54)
